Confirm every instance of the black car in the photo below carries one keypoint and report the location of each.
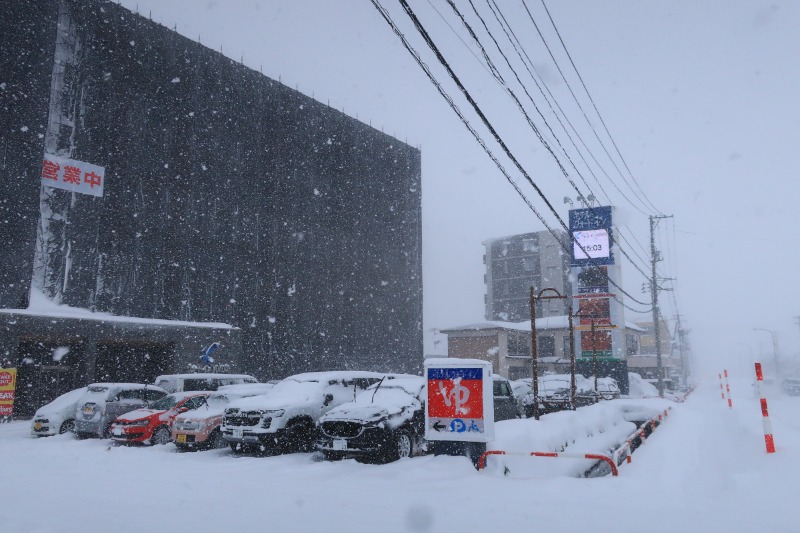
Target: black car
(386, 422)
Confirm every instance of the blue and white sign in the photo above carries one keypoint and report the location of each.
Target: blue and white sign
(591, 234)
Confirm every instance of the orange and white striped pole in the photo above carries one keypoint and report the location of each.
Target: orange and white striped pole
(728, 389)
(768, 440)
(721, 388)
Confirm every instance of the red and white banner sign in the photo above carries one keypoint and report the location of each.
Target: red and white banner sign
(71, 175)
(8, 385)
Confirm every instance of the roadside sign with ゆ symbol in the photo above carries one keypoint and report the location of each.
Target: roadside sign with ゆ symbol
(460, 405)
(8, 384)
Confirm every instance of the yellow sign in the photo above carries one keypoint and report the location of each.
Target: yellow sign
(8, 384)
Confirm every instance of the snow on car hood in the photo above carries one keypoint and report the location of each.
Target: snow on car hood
(358, 412)
(288, 393)
(201, 413)
(140, 413)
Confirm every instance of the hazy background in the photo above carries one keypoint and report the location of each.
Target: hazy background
(699, 96)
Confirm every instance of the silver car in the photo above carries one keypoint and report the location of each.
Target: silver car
(104, 402)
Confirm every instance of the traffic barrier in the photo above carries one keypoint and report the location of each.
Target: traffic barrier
(721, 388)
(644, 430)
(728, 388)
(768, 439)
(614, 460)
(595, 456)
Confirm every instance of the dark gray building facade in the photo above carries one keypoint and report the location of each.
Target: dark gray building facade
(229, 198)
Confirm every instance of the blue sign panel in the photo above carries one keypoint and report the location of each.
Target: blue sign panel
(591, 233)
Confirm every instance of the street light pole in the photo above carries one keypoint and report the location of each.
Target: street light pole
(774, 349)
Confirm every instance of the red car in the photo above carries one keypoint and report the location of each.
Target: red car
(154, 424)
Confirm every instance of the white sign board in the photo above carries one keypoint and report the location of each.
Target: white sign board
(71, 175)
(460, 402)
(593, 241)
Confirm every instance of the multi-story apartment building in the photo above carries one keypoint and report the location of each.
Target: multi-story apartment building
(516, 263)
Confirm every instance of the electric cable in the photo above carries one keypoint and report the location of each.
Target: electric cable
(583, 111)
(475, 134)
(577, 72)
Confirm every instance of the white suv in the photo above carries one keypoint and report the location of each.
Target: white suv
(285, 418)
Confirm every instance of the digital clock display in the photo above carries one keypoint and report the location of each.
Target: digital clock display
(591, 244)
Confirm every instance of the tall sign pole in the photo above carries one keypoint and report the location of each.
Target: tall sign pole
(597, 273)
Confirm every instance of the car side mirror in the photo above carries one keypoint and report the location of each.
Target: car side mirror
(183, 409)
(328, 399)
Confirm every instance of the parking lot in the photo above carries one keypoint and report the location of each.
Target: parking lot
(710, 466)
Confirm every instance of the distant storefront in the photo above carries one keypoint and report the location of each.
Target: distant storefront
(54, 353)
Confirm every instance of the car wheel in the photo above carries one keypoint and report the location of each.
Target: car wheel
(67, 427)
(298, 436)
(403, 445)
(161, 436)
(106, 431)
(216, 440)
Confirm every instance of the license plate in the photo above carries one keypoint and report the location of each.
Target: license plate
(37, 426)
(117, 431)
(238, 433)
(181, 438)
(88, 410)
(339, 444)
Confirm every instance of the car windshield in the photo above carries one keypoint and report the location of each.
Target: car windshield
(385, 394)
(165, 403)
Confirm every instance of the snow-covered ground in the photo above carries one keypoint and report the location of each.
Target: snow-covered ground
(705, 469)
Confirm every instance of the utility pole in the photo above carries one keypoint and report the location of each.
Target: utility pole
(681, 340)
(655, 257)
(534, 357)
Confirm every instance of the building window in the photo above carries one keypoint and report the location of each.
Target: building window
(529, 245)
(519, 345)
(528, 264)
(566, 346)
(547, 346)
(519, 372)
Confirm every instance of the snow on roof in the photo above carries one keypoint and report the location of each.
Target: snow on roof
(548, 322)
(41, 305)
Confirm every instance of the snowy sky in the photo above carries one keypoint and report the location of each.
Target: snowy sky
(698, 95)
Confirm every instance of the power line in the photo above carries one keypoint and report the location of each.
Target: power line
(583, 112)
(519, 104)
(585, 88)
(428, 40)
(506, 27)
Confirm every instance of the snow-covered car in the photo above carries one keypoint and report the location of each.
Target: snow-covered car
(607, 388)
(520, 387)
(200, 382)
(57, 416)
(285, 418)
(102, 403)
(201, 428)
(153, 425)
(554, 393)
(386, 422)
